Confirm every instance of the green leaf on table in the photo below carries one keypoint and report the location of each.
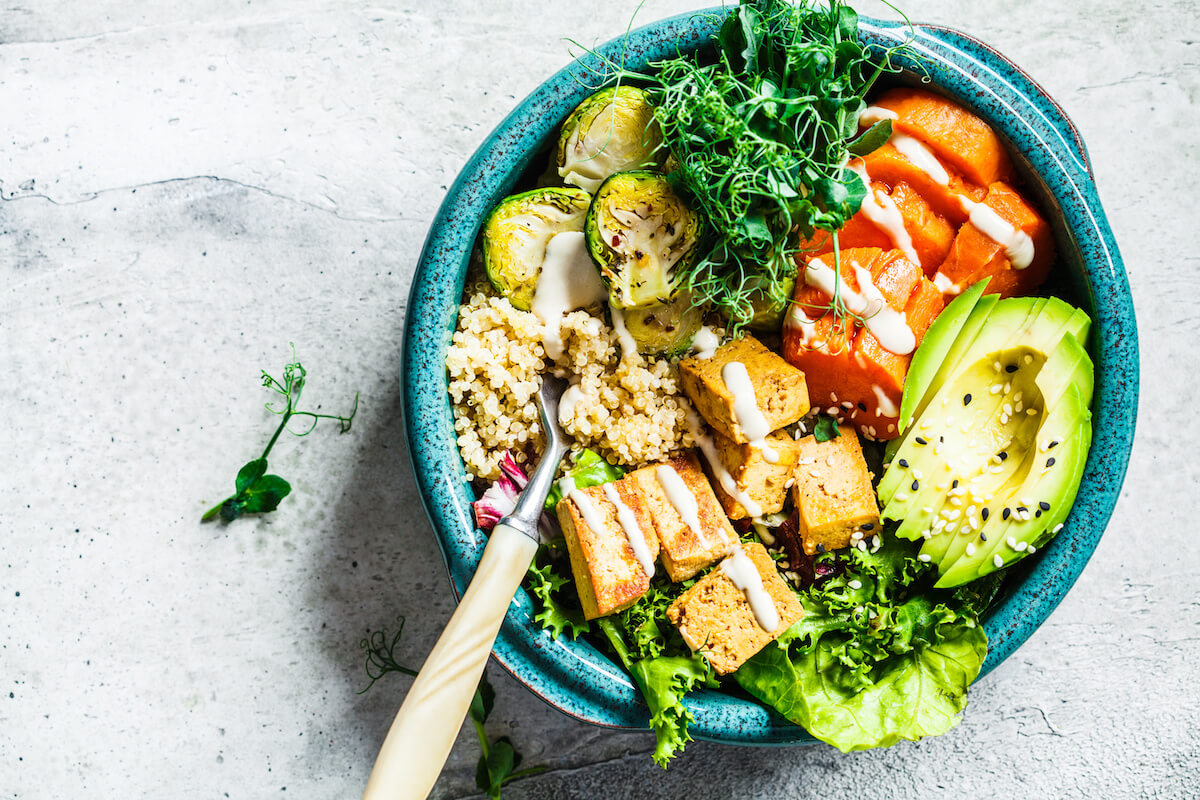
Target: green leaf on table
(250, 473)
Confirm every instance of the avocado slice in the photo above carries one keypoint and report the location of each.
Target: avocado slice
(1013, 378)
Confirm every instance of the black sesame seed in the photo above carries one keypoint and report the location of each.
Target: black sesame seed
(1011, 368)
(1006, 513)
(966, 399)
(1003, 454)
(983, 536)
(915, 485)
(1037, 513)
(862, 406)
(868, 526)
(919, 440)
(1050, 461)
(820, 548)
(1023, 509)
(955, 484)
(1044, 506)
(942, 439)
(984, 514)
(1052, 445)
(904, 463)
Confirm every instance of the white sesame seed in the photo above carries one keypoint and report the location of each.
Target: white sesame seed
(997, 560)
(1030, 550)
(970, 548)
(996, 470)
(1011, 542)
(1028, 359)
(925, 557)
(900, 497)
(854, 584)
(861, 546)
(1022, 546)
(927, 534)
(832, 411)
(996, 366)
(1057, 528)
(1007, 387)
(859, 610)
(1030, 411)
(891, 428)
(996, 389)
(916, 473)
(854, 537)
(876, 542)
(790, 483)
(927, 509)
(1019, 407)
(1017, 397)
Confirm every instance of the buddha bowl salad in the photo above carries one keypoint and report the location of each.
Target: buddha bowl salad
(817, 407)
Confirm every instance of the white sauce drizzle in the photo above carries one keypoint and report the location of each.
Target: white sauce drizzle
(566, 404)
(920, 155)
(624, 337)
(796, 318)
(1017, 244)
(873, 114)
(945, 285)
(745, 576)
(705, 342)
(709, 448)
(591, 515)
(884, 403)
(885, 323)
(633, 531)
(568, 280)
(746, 412)
(881, 210)
(681, 497)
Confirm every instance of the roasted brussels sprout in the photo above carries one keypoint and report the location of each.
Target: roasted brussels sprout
(643, 236)
(612, 131)
(770, 304)
(664, 328)
(517, 231)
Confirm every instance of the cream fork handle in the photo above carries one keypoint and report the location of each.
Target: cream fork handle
(428, 722)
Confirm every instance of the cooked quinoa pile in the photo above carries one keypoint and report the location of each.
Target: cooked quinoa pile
(628, 409)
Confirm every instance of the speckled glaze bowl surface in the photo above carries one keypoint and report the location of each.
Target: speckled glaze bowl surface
(575, 676)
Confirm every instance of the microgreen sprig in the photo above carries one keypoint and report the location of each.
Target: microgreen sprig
(256, 491)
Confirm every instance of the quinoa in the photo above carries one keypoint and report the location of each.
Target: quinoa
(627, 409)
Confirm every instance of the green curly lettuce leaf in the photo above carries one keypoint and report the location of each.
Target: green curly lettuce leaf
(872, 661)
(590, 469)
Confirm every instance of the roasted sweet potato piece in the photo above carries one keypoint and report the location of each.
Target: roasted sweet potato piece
(956, 136)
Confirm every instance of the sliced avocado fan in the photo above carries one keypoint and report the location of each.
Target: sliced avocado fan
(996, 429)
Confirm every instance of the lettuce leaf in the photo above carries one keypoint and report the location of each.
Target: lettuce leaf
(873, 661)
(589, 469)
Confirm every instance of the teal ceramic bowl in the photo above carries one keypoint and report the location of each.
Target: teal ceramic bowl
(575, 676)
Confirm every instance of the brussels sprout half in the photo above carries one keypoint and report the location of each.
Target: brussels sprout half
(517, 231)
(643, 236)
(614, 130)
(665, 328)
(769, 307)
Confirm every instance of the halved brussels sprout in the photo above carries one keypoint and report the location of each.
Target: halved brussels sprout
(614, 130)
(665, 328)
(517, 231)
(643, 236)
(769, 305)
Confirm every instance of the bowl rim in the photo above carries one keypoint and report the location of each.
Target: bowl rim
(574, 676)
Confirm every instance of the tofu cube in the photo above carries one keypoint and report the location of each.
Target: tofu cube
(715, 616)
(833, 492)
(779, 388)
(683, 550)
(762, 482)
(608, 574)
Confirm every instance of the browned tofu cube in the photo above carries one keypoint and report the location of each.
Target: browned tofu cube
(685, 549)
(833, 492)
(764, 483)
(608, 574)
(717, 618)
(779, 388)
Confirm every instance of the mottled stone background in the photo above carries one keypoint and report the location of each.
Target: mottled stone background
(188, 187)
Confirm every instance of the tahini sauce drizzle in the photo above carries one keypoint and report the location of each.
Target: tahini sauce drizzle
(886, 407)
(746, 412)
(568, 280)
(745, 576)
(624, 337)
(681, 497)
(885, 323)
(709, 448)
(591, 515)
(881, 210)
(633, 531)
(705, 342)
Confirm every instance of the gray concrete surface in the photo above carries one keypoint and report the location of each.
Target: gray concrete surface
(188, 187)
